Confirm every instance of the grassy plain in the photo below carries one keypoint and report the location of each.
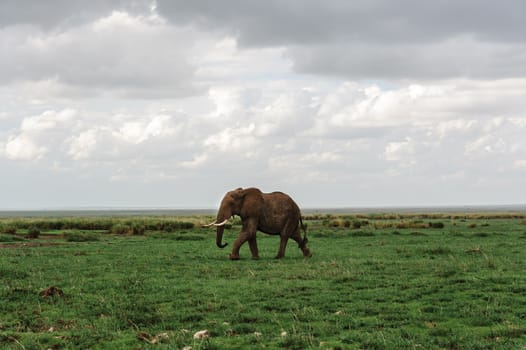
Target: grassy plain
(376, 281)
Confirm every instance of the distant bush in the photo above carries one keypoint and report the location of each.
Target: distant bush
(80, 237)
(168, 228)
(138, 230)
(99, 224)
(120, 229)
(33, 232)
(343, 222)
(356, 224)
(403, 224)
(8, 229)
(436, 224)
(333, 223)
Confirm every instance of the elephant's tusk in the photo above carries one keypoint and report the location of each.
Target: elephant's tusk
(215, 223)
(221, 224)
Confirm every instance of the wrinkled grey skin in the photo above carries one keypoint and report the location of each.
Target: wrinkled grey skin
(272, 213)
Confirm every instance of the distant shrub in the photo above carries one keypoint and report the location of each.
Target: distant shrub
(413, 224)
(138, 230)
(342, 222)
(33, 232)
(120, 229)
(436, 224)
(168, 228)
(333, 223)
(404, 224)
(473, 225)
(8, 229)
(80, 237)
(356, 224)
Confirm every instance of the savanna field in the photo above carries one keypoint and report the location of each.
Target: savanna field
(375, 281)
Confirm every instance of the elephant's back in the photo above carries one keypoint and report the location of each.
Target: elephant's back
(280, 205)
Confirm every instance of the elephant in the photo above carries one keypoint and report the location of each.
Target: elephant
(272, 213)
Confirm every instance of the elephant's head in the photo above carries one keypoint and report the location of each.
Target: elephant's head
(242, 202)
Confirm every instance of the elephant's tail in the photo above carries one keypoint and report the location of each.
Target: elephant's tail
(305, 239)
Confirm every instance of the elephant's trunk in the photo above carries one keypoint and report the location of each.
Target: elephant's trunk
(219, 236)
(222, 218)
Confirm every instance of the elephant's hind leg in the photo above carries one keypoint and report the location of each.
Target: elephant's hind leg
(302, 244)
(253, 244)
(282, 245)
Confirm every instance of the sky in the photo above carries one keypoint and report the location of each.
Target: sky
(172, 103)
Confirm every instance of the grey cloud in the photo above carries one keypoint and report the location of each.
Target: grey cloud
(284, 22)
(374, 39)
(456, 58)
(53, 13)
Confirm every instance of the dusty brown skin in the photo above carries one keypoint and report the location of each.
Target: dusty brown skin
(272, 213)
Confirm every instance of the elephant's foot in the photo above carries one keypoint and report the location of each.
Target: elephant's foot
(307, 253)
(279, 256)
(233, 256)
(255, 257)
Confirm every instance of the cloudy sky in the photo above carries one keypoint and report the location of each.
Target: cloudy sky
(172, 103)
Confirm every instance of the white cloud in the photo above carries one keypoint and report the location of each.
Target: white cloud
(196, 162)
(240, 140)
(122, 53)
(397, 151)
(143, 129)
(83, 145)
(520, 164)
(49, 120)
(448, 127)
(23, 147)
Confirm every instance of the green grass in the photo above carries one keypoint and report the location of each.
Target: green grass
(392, 283)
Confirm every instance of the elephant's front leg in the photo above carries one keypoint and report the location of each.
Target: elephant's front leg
(242, 238)
(248, 233)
